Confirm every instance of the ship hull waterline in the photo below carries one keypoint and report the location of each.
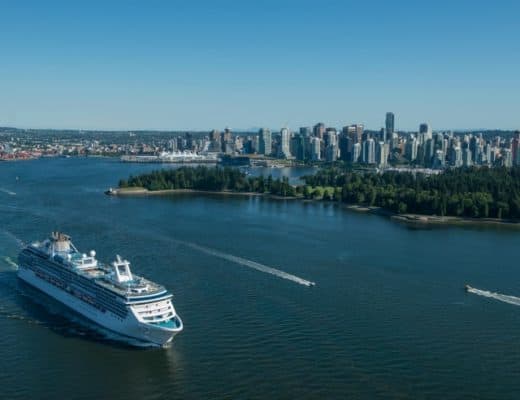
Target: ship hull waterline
(130, 327)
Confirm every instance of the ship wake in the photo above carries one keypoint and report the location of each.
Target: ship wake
(248, 263)
(11, 263)
(13, 237)
(7, 191)
(497, 296)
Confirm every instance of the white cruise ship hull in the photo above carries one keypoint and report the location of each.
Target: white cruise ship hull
(129, 326)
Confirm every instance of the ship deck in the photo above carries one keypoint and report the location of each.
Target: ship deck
(100, 275)
(129, 290)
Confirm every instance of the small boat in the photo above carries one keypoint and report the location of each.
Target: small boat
(467, 288)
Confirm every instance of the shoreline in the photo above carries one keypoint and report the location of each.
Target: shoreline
(421, 220)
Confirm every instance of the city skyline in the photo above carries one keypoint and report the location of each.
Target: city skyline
(126, 66)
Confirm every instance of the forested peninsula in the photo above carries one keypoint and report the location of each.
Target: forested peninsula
(461, 192)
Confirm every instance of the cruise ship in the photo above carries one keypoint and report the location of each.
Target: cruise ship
(109, 295)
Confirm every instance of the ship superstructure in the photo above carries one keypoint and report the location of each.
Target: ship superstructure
(109, 295)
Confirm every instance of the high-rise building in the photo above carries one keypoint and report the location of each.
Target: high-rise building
(425, 132)
(331, 152)
(305, 131)
(315, 149)
(381, 154)
(345, 144)
(389, 126)
(515, 148)
(356, 152)
(411, 149)
(507, 158)
(214, 135)
(487, 153)
(319, 130)
(438, 159)
(369, 151)
(330, 136)
(456, 156)
(264, 142)
(466, 157)
(285, 135)
(298, 146)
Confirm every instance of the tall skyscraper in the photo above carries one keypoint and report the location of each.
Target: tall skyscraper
(264, 142)
(507, 158)
(369, 151)
(515, 148)
(315, 149)
(356, 152)
(425, 132)
(345, 144)
(286, 138)
(411, 149)
(381, 154)
(319, 130)
(389, 126)
(305, 131)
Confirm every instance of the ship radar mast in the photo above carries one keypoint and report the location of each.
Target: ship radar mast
(122, 270)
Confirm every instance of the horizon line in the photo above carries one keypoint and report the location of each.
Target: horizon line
(251, 129)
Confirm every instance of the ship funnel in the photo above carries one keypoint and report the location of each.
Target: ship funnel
(122, 270)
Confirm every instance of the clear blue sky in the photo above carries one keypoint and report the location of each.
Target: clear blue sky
(242, 64)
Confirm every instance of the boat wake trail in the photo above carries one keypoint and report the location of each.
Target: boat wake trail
(18, 241)
(11, 263)
(7, 191)
(247, 263)
(497, 296)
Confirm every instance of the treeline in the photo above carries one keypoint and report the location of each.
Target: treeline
(465, 192)
(210, 179)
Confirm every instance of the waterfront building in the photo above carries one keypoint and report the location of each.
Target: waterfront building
(345, 143)
(264, 142)
(308, 147)
(316, 149)
(285, 135)
(298, 147)
(214, 135)
(172, 145)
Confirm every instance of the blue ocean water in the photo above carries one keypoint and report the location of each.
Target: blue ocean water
(387, 318)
